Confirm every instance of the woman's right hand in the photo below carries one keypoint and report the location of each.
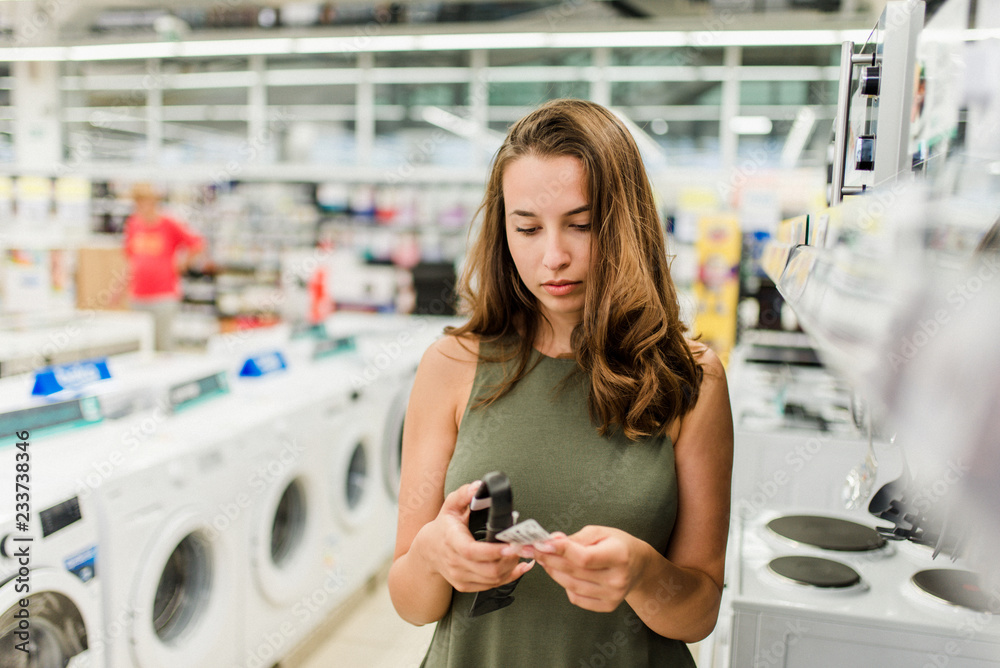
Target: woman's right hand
(467, 564)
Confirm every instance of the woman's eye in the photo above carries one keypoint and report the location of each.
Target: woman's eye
(581, 226)
(527, 231)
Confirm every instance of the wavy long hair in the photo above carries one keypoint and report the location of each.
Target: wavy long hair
(630, 341)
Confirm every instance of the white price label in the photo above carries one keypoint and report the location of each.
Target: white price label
(527, 532)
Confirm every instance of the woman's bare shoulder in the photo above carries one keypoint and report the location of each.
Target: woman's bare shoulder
(703, 354)
(453, 351)
(450, 360)
(446, 374)
(706, 357)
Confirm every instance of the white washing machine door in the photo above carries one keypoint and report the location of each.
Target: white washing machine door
(62, 625)
(353, 477)
(182, 597)
(286, 537)
(392, 442)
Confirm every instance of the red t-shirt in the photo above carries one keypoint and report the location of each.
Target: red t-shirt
(150, 249)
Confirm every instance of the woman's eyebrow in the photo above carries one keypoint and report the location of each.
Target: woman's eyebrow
(531, 214)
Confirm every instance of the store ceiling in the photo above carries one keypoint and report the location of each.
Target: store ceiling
(82, 19)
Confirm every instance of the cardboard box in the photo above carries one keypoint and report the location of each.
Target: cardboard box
(101, 279)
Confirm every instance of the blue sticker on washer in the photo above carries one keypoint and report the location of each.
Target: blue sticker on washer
(261, 365)
(83, 564)
(73, 376)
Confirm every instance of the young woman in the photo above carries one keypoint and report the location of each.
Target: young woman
(572, 376)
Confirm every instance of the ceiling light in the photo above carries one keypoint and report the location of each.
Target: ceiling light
(122, 51)
(798, 137)
(237, 47)
(522, 40)
(751, 125)
(447, 42)
(462, 127)
(46, 53)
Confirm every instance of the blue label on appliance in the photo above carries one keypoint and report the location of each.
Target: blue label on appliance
(261, 365)
(83, 564)
(73, 376)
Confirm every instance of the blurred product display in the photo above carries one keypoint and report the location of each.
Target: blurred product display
(893, 289)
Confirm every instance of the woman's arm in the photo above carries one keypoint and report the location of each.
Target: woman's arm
(678, 595)
(435, 553)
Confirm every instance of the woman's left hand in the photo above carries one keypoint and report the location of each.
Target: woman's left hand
(597, 566)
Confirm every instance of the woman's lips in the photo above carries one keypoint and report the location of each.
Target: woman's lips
(558, 290)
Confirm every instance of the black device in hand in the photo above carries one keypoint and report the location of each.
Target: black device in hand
(492, 511)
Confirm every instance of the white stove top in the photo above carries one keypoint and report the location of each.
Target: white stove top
(884, 607)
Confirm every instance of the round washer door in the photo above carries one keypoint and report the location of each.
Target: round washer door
(62, 614)
(392, 443)
(353, 475)
(182, 597)
(286, 537)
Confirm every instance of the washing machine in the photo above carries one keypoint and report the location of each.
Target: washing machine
(171, 525)
(49, 549)
(390, 348)
(358, 514)
(173, 537)
(298, 571)
(292, 583)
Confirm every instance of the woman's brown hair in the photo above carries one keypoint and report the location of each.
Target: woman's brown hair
(631, 339)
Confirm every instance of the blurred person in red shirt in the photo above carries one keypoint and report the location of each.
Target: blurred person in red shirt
(158, 248)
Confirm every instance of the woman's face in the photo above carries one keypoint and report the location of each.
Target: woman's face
(549, 231)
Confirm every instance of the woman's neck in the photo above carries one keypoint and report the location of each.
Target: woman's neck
(554, 337)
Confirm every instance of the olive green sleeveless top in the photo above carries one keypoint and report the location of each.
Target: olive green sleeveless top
(566, 476)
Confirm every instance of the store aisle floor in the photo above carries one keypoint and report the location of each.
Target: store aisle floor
(374, 636)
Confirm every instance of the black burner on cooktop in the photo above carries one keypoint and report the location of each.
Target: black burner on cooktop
(829, 533)
(954, 586)
(815, 571)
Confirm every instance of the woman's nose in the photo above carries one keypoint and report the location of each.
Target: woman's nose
(556, 254)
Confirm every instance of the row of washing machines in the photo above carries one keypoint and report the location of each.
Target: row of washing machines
(200, 517)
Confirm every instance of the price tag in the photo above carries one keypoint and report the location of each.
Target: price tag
(527, 532)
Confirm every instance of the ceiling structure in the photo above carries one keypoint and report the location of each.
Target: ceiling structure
(65, 21)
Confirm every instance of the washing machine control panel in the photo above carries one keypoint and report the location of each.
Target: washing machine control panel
(85, 410)
(60, 516)
(189, 392)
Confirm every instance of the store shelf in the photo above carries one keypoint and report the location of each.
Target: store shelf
(844, 299)
(46, 237)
